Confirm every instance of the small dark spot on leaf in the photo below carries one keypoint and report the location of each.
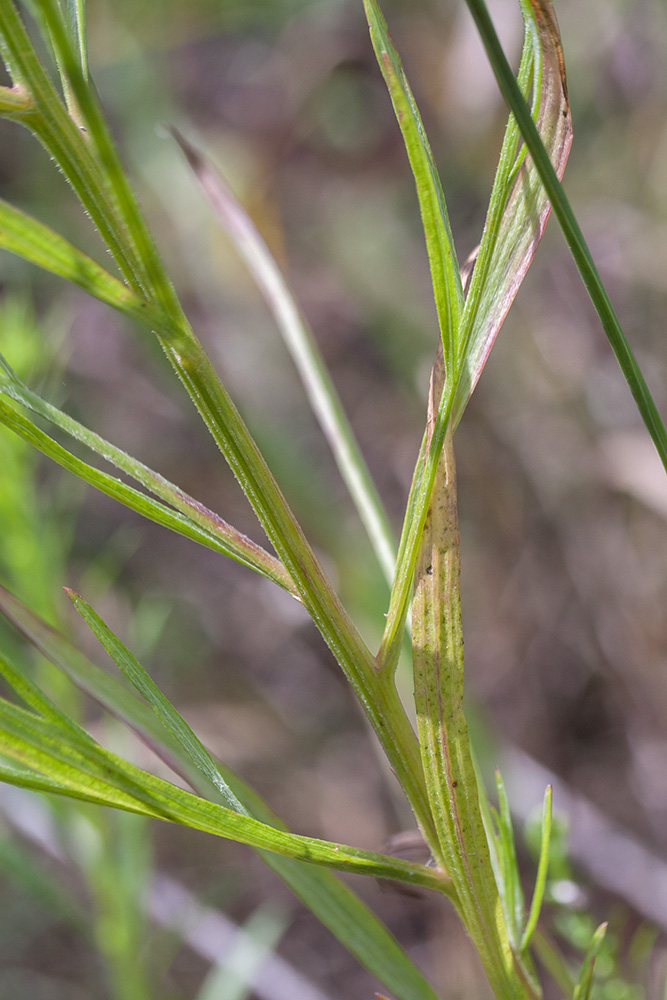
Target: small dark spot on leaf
(429, 570)
(455, 784)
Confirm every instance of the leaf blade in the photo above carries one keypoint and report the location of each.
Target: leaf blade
(519, 206)
(302, 346)
(339, 909)
(190, 518)
(542, 871)
(571, 229)
(443, 262)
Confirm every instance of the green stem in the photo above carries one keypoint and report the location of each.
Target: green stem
(445, 743)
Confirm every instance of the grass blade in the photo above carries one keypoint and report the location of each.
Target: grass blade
(82, 766)
(109, 200)
(542, 871)
(22, 235)
(302, 346)
(519, 207)
(443, 733)
(165, 711)
(567, 220)
(339, 909)
(511, 892)
(190, 519)
(447, 287)
(516, 218)
(584, 987)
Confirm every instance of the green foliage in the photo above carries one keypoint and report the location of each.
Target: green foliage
(474, 859)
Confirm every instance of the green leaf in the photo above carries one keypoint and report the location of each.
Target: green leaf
(447, 287)
(519, 206)
(584, 987)
(76, 23)
(339, 909)
(113, 694)
(192, 747)
(22, 235)
(193, 519)
(574, 237)
(443, 733)
(88, 771)
(511, 892)
(300, 342)
(95, 173)
(62, 136)
(516, 218)
(542, 871)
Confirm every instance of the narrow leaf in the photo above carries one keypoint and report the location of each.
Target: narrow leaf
(542, 871)
(444, 266)
(584, 987)
(165, 711)
(116, 213)
(28, 691)
(517, 215)
(512, 894)
(571, 229)
(76, 22)
(300, 342)
(113, 694)
(193, 519)
(333, 903)
(86, 768)
(519, 206)
(443, 732)
(22, 235)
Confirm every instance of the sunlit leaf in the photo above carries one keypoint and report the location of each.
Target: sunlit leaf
(444, 266)
(87, 770)
(568, 222)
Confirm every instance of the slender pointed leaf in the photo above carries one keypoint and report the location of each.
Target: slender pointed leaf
(300, 342)
(451, 778)
(443, 733)
(339, 909)
(24, 236)
(29, 692)
(519, 206)
(191, 518)
(512, 894)
(518, 211)
(566, 218)
(584, 987)
(542, 871)
(165, 711)
(107, 196)
(85, 767)
(444, 266)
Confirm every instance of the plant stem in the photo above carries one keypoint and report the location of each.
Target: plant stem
(443, 731)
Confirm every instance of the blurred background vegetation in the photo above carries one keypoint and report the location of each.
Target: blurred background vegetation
(563, 502)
